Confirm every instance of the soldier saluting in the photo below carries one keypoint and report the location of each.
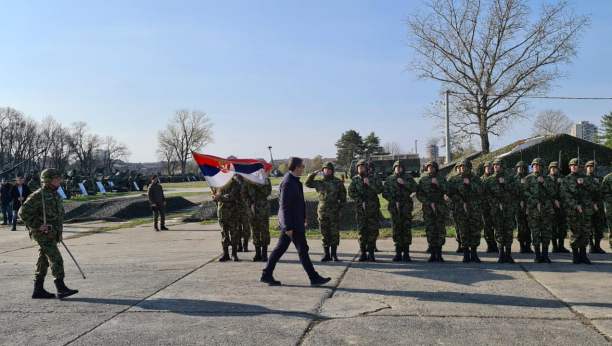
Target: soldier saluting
(43, 213)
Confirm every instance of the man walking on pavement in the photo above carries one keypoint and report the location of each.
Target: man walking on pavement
(6, 202)
(158, 202)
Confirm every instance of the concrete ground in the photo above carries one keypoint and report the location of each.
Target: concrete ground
(167, 288)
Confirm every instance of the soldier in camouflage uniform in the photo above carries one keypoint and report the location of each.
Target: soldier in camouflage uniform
(430, 192)
(376, 177)
(397, 190)
(364, 189)
(256, 197)
(455, 207)
(599, 218)
(501, 191)
(559, 230)
(606, 192)
(489, 235)
(43, 214)
(539, 193)
(576, 190)
(468, 189)
(332, 199)
(32, 184)
(524, 233)
(228, 199)
(242, 214)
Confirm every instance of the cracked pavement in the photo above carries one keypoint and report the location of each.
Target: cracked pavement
(164, 288)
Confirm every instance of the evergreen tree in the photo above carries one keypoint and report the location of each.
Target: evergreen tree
(348, 147)
(605, 130)
(372, 143)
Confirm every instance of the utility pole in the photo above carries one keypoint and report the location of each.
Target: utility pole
(448, 148)
(271, 159)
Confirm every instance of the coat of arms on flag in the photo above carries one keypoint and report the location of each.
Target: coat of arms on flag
(219, 172)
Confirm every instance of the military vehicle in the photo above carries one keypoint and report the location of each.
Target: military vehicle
(383, 164)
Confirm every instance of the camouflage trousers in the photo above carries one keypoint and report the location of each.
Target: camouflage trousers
(244, 224)
(368, 227)
(469, 226)
(609, 222)
(599, 224)
(457, 234)
(503, 225)
(260, 223)
(329, 225)
(230, 231)
(488, 232)
(402, 227)
(524, 233)
(540, 225)
(559, 225)
(49, 255)
(158, 212)
(435, 225)
(580, 228)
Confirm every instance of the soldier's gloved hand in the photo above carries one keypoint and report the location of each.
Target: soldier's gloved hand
(400, 181)
(433, 206)
(466, 181)
(501, 180)
(580, 181)
(595, 207)
(540, 180)
(434, 181)
(557, 204)
(397, 205)
(579, 209)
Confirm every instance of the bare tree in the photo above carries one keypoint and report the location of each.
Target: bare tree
(60, 149)
(113, 152)
(490, 55)
(551, 122)
(188, 130)
(393, 148)
(167, 156)
(84, 145)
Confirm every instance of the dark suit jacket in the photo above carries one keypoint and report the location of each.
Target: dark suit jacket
(292, 208)
(15, 194)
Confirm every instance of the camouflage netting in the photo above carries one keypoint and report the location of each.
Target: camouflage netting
(119, 209)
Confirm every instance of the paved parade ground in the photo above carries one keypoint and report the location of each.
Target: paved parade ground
(166, 288)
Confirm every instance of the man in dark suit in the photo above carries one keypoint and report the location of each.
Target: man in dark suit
(292, 221)
(19, 193)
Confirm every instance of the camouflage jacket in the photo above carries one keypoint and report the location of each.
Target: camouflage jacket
(428, 193)
(330, 190)
(596, 196)
(504, 194)
(229, 195)
(394, 192)
(606, 190)
(360, 192)
(538, 193)
(553, 178)
(455, 199)
(520, 180)
(31, 212)
(256, 194)
(463, 193)
(574, 194)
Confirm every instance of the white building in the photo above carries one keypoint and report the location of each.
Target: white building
(584, 130)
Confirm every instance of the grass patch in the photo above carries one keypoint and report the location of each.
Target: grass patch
(81, 198)
(187, 194)
(186, 184)
(208, 222)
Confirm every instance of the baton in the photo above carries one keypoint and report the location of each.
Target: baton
(75, 261)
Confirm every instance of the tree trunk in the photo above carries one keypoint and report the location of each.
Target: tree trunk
(484, 142)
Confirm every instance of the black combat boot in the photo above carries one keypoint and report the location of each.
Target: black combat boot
(269, 279)
(474, 255)
(62, 290)
(522, 244)
(576, 258)
(376, 248)
(495, 249)
(509, 258)
(40, 292)
(428, 249)
(257, 256)
(528, 247)
(538, 254)
(326, 257)
(163, 228)
(334, 253)
(235, 254)
(371, 255)
(407, 253)
(490, 248)
(545, 255)
(398, 254)
(592, 248)
(245, 245)
(555, 248)
(561, 247)
(155, 227)
(466, 254)
(598, 247)
(502, 255)
(264, 253)
(434, 251)
(226, 256)
(459, 249)
(439, 254)
(364, 254)
(239, 249)
(583, 256)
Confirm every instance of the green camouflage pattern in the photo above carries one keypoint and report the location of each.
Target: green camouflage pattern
(522, 223)
(229, 203)
(573, 195)
(505, 195)
(487, 219)
(598, 220)
(540, 221)
(256, 195)
(332, 199)
(469, 222)
(559, 222)
(455, 205)
(401, 220)
(367, 219)
(428, 193)
(606, 192)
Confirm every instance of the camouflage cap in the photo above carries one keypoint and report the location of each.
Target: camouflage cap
(537, 161)
(465, 162)
(500, 162)
(49, 174)
(399, 163)
(575, 162)
(521, 164)
(328, 165)
(590, 163)
(553, 164)
(362, 162)
(487, 164)
(432, 163)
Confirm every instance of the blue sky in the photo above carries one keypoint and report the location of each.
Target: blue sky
(291, 74)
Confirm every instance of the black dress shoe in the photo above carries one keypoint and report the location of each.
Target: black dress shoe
(319, 280)
(269, 279)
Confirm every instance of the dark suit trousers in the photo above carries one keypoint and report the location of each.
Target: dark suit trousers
(299, 240)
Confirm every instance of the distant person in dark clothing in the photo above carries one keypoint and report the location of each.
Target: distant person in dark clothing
(19, 193)
(6, 202)
(158, 202)
(292, 221)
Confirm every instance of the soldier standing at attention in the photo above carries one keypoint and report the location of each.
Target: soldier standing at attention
(606, 192)
(576, 191)
(376, 180)
(227, 199)
(539, 194)
(430, 192)
(599, 218)
(486, 214)
(158, 203)
(43, 213)
(524, 233)
(455, 207)
(332, 198)
(397, 190)
(242, 214)
(256, 196)
(559, 220)
(364, 189)
(501, 190)
(469, 189)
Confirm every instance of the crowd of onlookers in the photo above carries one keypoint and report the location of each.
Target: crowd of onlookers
(12, 196)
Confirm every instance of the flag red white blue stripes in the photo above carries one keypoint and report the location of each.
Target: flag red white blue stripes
(219, 171)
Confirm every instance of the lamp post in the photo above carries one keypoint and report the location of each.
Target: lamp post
(271, 159)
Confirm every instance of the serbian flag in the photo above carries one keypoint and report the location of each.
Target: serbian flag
(219, 172)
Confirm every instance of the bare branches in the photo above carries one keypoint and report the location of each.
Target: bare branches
(393, 148)
(551, 122)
